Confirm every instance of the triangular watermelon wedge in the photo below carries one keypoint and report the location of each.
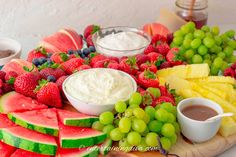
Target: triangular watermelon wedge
(43, 121)
(24, 153)
(5, 122)
(6, 150)
(29, 140)
(78, 152)
(14, 102)
(77, 137)
(75, 118)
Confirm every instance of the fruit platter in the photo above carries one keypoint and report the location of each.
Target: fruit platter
(121, 91)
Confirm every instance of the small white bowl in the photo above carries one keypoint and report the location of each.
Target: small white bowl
(198, 131)
(9, 44)
(91, 108)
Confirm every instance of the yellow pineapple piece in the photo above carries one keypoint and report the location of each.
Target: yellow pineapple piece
(197, 71)
(177, 83)
(164, 72)
(216, 91)
(180, 71)
(189, 93)
(220, 79)
(162, 81)
(228, 127)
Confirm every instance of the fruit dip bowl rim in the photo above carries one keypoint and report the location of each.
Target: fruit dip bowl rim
(104, 107)
(96, 35)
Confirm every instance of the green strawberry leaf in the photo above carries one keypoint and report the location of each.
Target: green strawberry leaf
(147, 99)
(64, 56)
(148, 74)
(95, 29)
(41, 50)
(11, 80)
(41, 83)
(55, 65)
(27, 69)
(91, 55)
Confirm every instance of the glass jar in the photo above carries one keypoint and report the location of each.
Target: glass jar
(193, 10)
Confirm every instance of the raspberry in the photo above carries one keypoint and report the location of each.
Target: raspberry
(233, 66)
(165, 65)
(229, 72)
(163, 49)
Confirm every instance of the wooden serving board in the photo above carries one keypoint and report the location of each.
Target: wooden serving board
(183, 148)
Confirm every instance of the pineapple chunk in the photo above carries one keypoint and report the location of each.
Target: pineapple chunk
(180, 71)
(162, 81)
(197, 71)
(228, 127)
(164, 72)
(189, 93)
(177, 83)
(219, 79)
(216, 91)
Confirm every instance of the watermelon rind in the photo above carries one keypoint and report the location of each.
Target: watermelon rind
(27, 144)
(33, 126)
(105, 147)
(84, 152)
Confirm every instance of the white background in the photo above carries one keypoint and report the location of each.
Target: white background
(29, 20)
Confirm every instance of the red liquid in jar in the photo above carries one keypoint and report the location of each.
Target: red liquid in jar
(199, 19)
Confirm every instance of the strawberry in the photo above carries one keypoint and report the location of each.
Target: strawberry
(150, 49)
(89, 41)
(162, 99)
(172, 54)
(148, 66)
(175, 63)
(140, 90)
(129, 65)
(113, 58)
(83, 67)
(2, 75)
(60, 81)
(142, 58)
(97, 58)
(36, 53)
(48, 93)
(26, 83)
(90, 29)
(59, 57)
(113, 65)
(101, 64)
(155, 57)
(57, 72)
(1, 83)
(157, 38)
(165, 65)
(10, 77)
(70, 66)
(148, 79)
(163, 49)
(229, 72)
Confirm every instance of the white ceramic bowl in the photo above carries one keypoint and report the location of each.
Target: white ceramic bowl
(198, 131)
(9, 44)
(90, 108)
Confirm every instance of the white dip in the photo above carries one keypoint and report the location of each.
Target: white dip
(100, 86)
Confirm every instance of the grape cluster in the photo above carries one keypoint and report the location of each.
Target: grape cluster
(205, 45)
(140, 128)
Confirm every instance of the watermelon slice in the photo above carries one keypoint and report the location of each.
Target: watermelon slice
(78, 152)
(6, 150)
(43, 121)
(105, 147)
(77, 137)
(76, 119)
(24, 153)
(5, 122)
(29, 140)
(13, 101)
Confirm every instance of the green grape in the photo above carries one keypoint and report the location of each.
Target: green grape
(173, 139)
(232, 43)
(202, 50)
(188, 36)
(128, 112)
(177, 127)
(224, 38)
(97, 126)
(155, 126)
(230, 33)
(208, 34)
(208, 61)
(215, 30)
(146, 118)
(145, 132)
(218, 61)
(133, 106)
(142, 147)
(205, 28)
(213, 56)
(120, 106)
(165, 142)
(134, 138)
(125, 125)
(107, 129)
(151, 139)
(135, 98)
(157, 107)
(191, 25)
(154, 91)
(124, 145)
(214, 70)
(178, 33)
(218, 40)
(139, 113)
(167, 106)
(228, 51)
(139, 125)
(197, 59)
(207, 56)
(171, 118)
(161, 115)
(150, 111)
(187, 43)
(196, 43)
(116, 134)
(221, 55)
(178, 40)
(185, 29)
(232, 59)
(189, 54)
(199, 34)
(224, 66)
(208, 42)
(106, 117)
(168, 130)
(218, 49)
(214, 49)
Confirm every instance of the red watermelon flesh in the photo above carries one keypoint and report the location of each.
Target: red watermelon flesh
(5, 122)
(15, 102)
(80, 152)
(6, 150)
(24, 153)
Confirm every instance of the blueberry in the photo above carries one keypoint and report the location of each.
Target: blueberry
(36, 62)
(51, 78)
(49, 55)
(82, 55)
(92, 49)
(42, 60)
(70, 52)
(86, 51)
(79, 52)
